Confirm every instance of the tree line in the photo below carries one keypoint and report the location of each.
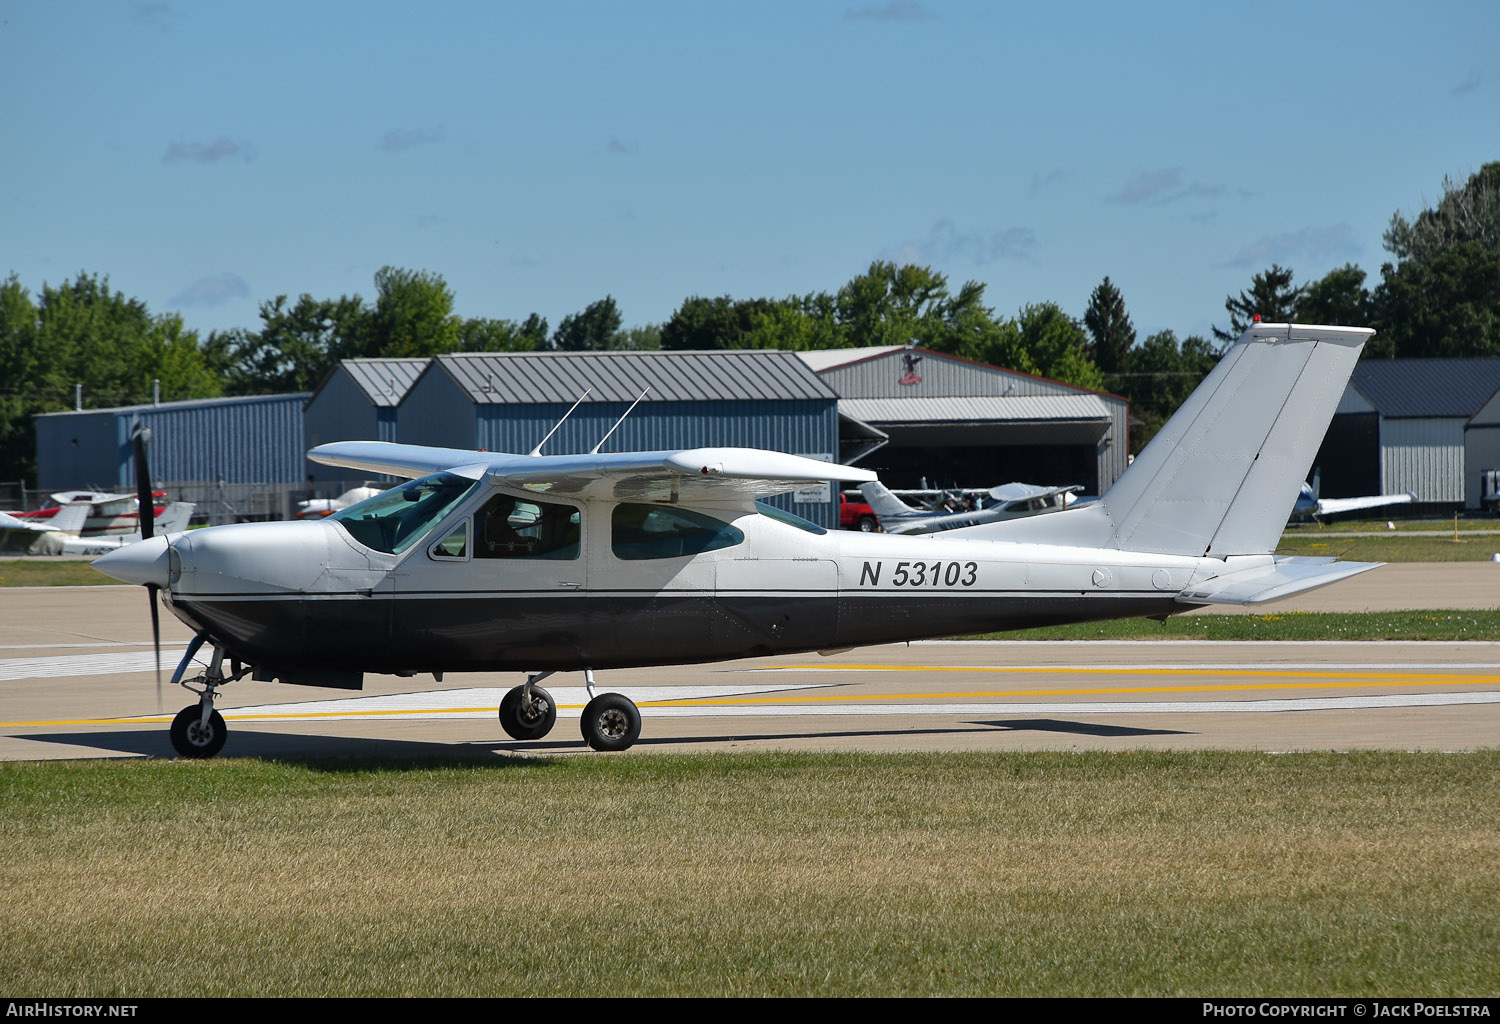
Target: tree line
(1439, 296)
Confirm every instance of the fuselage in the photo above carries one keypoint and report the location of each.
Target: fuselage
(510, 579)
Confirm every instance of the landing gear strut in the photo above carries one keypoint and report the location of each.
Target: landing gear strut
(610, 721)
(199, 730)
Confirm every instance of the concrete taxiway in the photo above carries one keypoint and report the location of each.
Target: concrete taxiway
(77, 680)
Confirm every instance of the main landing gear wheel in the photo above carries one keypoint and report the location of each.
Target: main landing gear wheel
(528, 720)
(191, 738)
(611, 721)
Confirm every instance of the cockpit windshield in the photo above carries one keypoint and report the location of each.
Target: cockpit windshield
(396, 519)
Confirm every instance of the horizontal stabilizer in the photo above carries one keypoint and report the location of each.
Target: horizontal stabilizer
(1283, 578)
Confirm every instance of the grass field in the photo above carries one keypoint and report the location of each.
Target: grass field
(44, 572)
(1394, 547)
(778, 874)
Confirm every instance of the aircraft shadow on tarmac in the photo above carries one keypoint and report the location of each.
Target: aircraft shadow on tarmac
(1080, 728)
(300, 746)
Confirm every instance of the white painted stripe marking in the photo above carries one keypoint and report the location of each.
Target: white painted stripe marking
(87, 665)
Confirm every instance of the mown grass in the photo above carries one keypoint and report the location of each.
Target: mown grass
(770, 874)
(1393, 547)
(49, 573)
(1352, 626)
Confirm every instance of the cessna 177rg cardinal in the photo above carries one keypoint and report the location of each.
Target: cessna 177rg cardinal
(549, 563)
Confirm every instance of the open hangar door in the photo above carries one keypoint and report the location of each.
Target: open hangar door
(986, 454)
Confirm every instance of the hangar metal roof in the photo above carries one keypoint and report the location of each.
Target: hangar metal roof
(384, 381)
(1427, 388)
(530, 378)
(1031, 408)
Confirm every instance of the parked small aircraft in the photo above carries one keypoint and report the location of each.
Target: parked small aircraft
(549, 563)
(109, 515)
(317, 508)
(1309, 505)
(60, 534)
(1008, 501)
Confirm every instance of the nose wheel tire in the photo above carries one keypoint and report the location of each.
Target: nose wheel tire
(611, 721)
(191, 738)
(525, 720)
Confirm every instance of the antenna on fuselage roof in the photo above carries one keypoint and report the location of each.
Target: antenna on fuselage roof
(538, 449)
(595, 450)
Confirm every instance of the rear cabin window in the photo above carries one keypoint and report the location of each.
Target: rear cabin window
(640, 532)
(509, 527)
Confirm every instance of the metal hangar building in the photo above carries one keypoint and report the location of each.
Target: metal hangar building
(911, 414)
(1428, 426)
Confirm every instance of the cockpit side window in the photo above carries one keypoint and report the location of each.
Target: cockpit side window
(394, 520)
(510, 527)
(640, 532)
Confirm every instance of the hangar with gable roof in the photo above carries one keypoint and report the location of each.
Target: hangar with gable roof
(913, 415)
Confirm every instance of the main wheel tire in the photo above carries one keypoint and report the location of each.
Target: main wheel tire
(528, 722)
(611, 721)
(867, 524)
(191, 738)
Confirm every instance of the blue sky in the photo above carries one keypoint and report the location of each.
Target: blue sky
(210, 156)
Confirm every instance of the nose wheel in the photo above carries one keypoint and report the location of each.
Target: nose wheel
(196, 736)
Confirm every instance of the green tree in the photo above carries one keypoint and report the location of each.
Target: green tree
(82, 333)
(1110, 328)
(1442, 296)
(1339, 299)
(701, 324)
(413, 316)
(592, 330)
(295, 346)
(480, 334)
(1271, 296)
(1057, 345)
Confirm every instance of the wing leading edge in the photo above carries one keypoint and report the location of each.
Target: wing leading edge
(697, 474)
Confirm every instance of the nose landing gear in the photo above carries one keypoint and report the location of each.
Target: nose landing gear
(198, 730)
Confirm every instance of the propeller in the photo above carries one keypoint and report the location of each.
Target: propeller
(139, 438)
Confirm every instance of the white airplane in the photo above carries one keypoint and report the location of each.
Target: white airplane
(109, 515)
(62, 534)
(1309, 505)
(1011, 501)
(317, 508)
(551, 563)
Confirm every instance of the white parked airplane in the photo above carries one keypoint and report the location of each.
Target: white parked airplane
(1311, 506)
(317, 508)
(1009, 501)
(60, 535)
(487, 562)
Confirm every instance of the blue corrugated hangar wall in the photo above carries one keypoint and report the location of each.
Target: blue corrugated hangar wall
(234, 440)
(508, 403)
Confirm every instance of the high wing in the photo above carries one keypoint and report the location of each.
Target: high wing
(706, 475)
